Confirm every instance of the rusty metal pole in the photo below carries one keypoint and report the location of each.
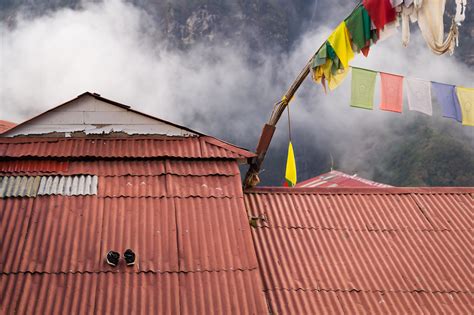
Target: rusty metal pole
(251, 178)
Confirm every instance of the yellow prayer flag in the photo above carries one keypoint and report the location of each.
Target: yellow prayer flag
(333, 80)
(290, 175)
(466, 100)
(337, 78)
(341, 43)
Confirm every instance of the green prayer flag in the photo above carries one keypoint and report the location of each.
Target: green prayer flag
(355, 26)
(320, 57)
(330, 51)
(363, 87)
(359, 26)
(336, 63)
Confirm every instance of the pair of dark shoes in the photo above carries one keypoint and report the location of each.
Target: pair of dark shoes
(114, 257)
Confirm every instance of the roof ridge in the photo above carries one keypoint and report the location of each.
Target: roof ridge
(228, 146)
(360, 190)
(369, 291)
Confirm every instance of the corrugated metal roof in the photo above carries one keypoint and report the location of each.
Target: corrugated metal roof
(377, 251)
(32, 186)
(339, 179)
(356, 302)
(176, 201)
(191, 147)
(131, 293)
(190, 234)
(185, 219)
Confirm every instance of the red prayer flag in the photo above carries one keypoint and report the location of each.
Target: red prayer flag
(392, 92)
(380, 12)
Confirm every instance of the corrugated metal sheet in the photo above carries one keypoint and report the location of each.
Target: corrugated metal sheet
(376, 251)
(154, 167)
(33, 167)
(64, 234)
(202, 168)
(150, 167)
(121, 186)
(68, 185)
(170, 186)
(73, 234)
(353, 302)
(32, 186)
(214, 234)
(204, 186)
(339, 179)
(192, 147)
(234, 292)
(19, 186)
(132, 293)
(102, 293)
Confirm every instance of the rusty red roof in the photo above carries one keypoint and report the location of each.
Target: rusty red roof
(366, 250)
(148, 147)
(131, 293)
(6, 125)
(119, 167)
(183, 216)
(339, 179)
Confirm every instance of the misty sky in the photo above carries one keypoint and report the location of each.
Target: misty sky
(111, 48)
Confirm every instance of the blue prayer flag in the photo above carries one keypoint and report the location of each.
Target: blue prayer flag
(447, 98)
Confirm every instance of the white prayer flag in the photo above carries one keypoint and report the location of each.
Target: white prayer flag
(419, 96)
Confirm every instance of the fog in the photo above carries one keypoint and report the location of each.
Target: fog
(224, 89)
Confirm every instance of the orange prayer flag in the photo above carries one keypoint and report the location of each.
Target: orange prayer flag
(392, 92)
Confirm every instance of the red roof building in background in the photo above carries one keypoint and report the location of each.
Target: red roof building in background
(6, 125)
(339, 179)
(93, 175)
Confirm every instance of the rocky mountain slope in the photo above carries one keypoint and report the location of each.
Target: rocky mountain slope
(263, 24)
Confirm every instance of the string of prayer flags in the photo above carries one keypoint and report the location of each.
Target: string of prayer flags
(290, 174)
(466, 100)
(362, 88)
(456, 102)
(419, 96)
(391, 92)
(447, 98)
(374, 20)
